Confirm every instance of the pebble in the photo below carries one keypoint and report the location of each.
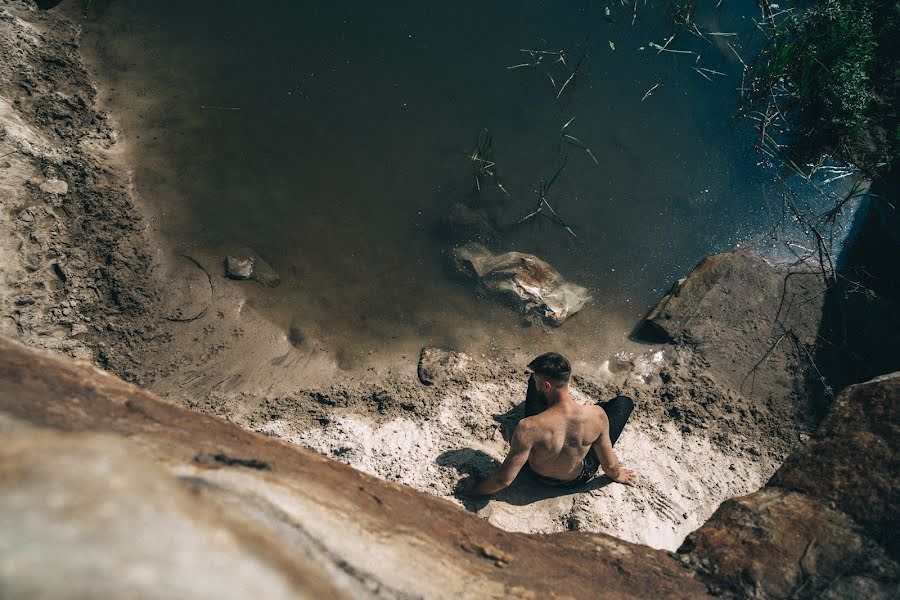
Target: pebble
(57, 187)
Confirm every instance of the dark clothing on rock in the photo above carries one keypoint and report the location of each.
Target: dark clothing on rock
(617, 411)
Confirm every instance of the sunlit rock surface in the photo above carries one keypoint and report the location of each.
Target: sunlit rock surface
(121, 491)
(524, 280)
(733, 287)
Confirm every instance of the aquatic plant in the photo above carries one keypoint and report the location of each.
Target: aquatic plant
(544, 208)
(569, 139)
(482, 158)
(536, 58)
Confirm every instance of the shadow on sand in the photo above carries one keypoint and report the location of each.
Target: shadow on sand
(526, 489)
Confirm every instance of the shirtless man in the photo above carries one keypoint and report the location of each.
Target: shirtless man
(562, 442)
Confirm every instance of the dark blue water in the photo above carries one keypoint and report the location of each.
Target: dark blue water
(332, 137)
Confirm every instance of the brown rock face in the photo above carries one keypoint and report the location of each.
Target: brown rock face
(826, 524)
(101, 477)
(112, 480)
(853, 461)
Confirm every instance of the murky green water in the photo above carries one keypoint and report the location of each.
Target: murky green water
(332, 136)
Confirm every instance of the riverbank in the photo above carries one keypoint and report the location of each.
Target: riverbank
(86, 276)
(78, 269)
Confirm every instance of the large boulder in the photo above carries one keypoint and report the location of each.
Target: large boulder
(753, 322)
(825, 526)
(732, 288)
(853, 460)
(531, 285)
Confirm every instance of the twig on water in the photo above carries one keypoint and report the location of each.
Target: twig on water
(543, 203)
(736, 54)
(650, 92)
(572, 75)
(203, 106)
(664, 49)
(571, 139)
(566, 138)
(696, 31)
(482, 157)
(664, 46)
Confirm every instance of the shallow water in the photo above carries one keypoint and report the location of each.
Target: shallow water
(331, 137)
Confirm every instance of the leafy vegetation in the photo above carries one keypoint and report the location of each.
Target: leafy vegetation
(829, 71)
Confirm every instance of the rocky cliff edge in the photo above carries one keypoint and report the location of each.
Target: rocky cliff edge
(113, 491)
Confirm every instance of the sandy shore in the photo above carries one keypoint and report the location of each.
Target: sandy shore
(83, 276)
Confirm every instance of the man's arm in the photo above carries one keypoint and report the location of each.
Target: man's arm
(608, 461)
(519, 449)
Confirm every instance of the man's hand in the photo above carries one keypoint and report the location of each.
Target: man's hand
(467, 486)
(626, 476)
(519, 448)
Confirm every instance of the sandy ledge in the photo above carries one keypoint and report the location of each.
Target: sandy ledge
(83, 276)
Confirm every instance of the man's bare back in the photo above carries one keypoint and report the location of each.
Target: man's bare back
(565, 442)
(562, 436)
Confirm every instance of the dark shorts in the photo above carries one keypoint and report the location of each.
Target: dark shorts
(589, 467)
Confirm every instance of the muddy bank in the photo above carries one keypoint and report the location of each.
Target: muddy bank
(77, 268)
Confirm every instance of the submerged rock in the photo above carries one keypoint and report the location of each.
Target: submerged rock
(245, 263)
(530, 284)
(237, 267)
(464, 224)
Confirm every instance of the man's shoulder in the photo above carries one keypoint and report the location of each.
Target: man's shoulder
(534, 427)
(597, 416)
(528, 425)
